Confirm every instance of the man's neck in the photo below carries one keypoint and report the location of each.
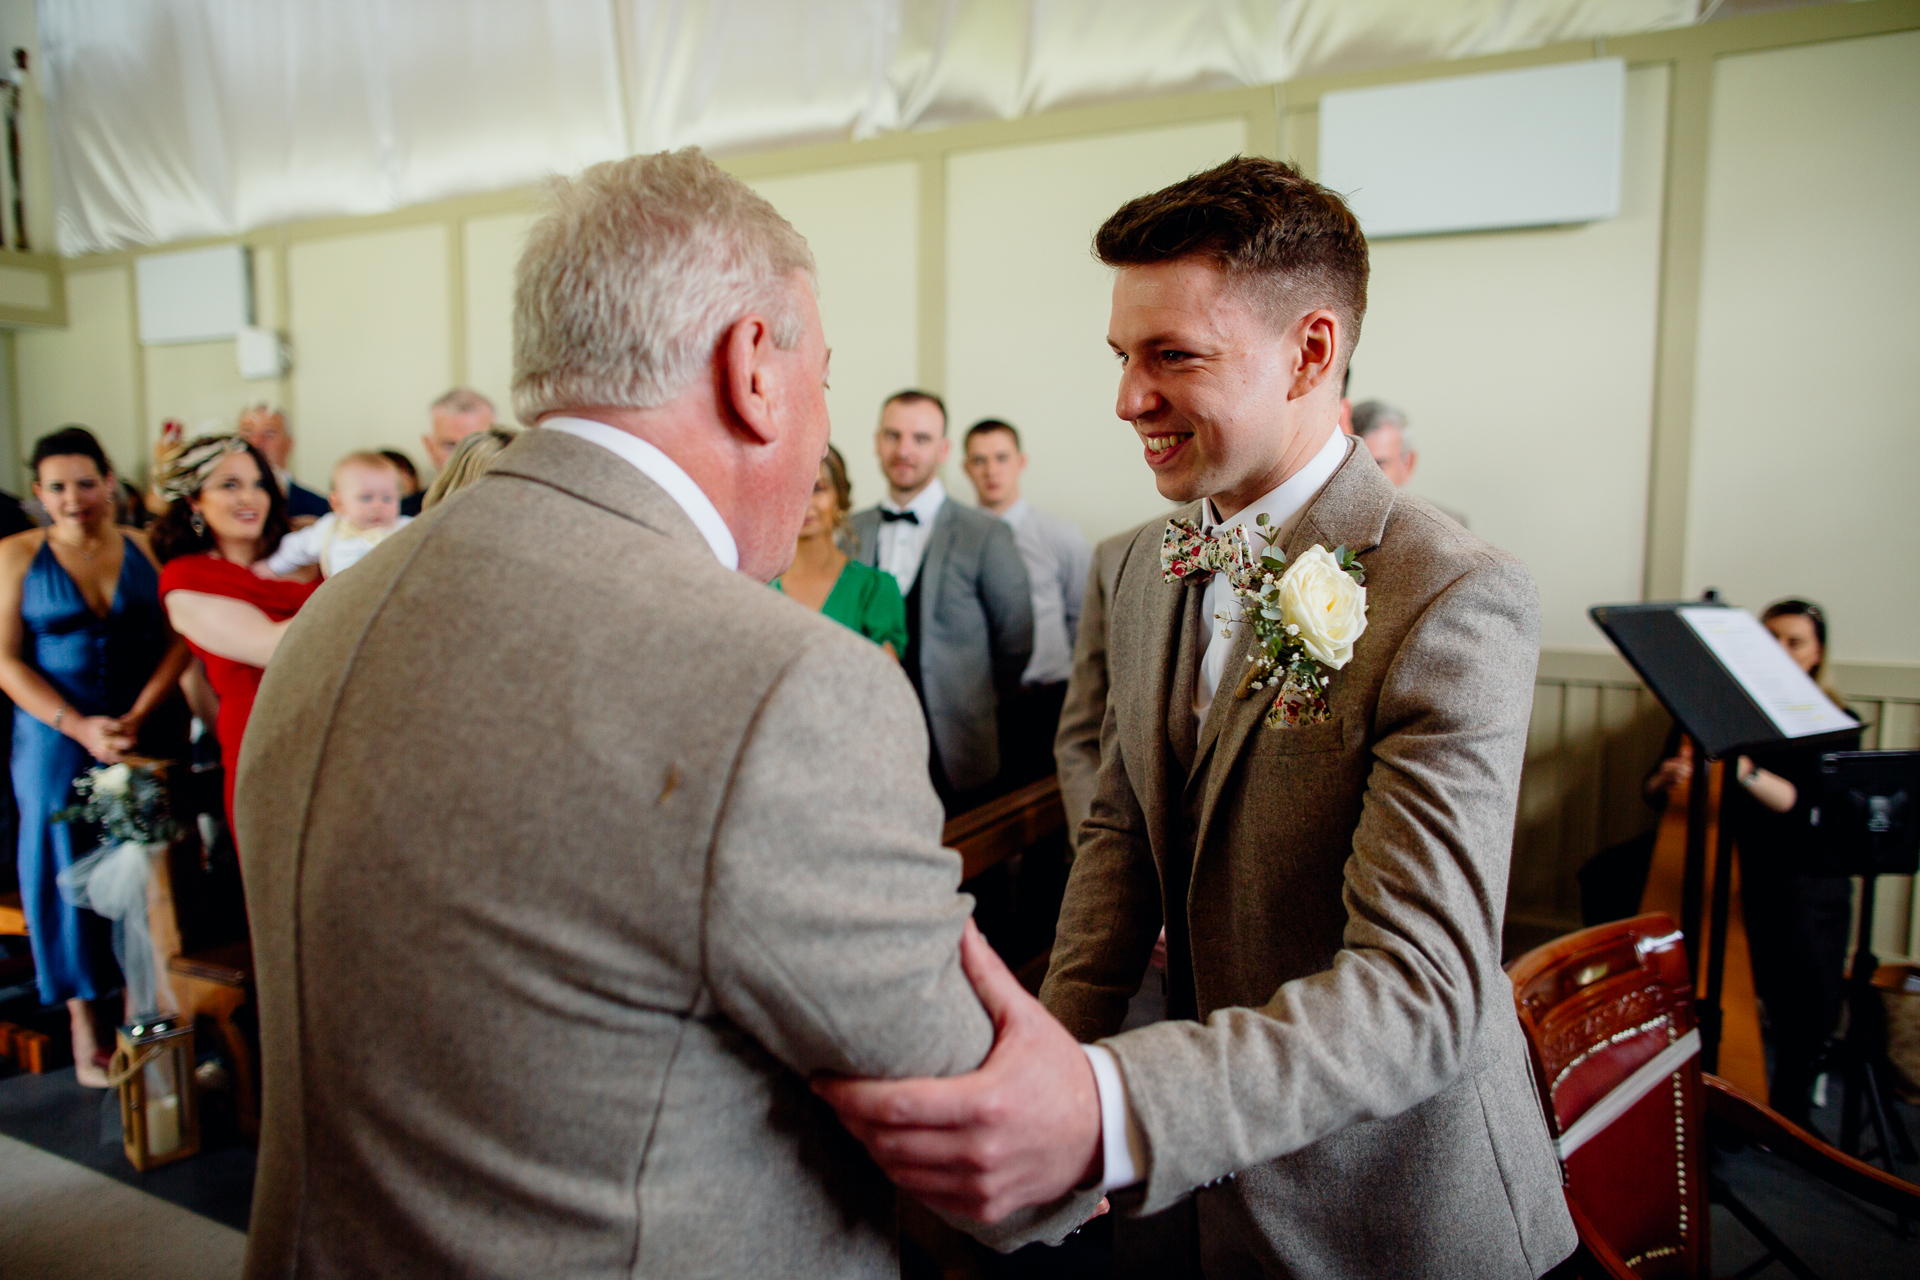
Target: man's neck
(905, 497)
(1298, 453)
(1003, 506)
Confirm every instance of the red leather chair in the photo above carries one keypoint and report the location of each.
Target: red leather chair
(1609, 1018)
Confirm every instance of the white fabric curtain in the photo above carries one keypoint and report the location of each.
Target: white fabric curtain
(172, 119)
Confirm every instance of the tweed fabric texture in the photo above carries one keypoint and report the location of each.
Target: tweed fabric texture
(570, 855)
(1346, 1086)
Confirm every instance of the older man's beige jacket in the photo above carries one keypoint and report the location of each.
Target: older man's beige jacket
(1347, 1091)
(570, 855)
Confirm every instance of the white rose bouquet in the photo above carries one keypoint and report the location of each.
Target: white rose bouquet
(1306, 617)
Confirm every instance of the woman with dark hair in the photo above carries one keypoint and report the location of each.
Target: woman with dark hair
(1796, 924)
(825, 579)
(225, 511)
(89, 660)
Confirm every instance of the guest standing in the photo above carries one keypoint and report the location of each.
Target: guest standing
(1797, 923)
(265, 428)
(225, 511)
(89, 660)
(824, 579)
(969, 607)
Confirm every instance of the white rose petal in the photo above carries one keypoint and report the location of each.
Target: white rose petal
(112, 780)
(1326, 604)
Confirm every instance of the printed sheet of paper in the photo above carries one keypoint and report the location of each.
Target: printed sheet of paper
(1754, 658)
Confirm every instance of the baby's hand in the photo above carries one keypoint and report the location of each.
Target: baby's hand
(260, 570)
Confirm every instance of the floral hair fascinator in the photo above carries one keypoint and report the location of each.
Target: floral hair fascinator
(188, 468)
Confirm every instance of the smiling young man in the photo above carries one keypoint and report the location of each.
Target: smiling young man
(1342, 1087)
(969, 608)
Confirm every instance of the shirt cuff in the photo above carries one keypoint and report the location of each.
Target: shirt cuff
(1123, 1146)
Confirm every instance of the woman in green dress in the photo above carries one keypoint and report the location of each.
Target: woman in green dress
(822, 576)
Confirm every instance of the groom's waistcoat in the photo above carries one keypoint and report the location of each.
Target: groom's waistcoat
(1333, 897)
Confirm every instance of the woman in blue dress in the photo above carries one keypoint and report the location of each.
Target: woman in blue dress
(88, 659)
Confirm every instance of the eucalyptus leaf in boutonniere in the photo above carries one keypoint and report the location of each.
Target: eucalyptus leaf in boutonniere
(1306, 617)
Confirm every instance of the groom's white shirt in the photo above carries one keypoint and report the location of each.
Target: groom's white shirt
(1121, 1141)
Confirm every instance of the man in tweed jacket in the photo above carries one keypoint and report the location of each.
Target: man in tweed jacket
(1342, 1089)
(571, 852)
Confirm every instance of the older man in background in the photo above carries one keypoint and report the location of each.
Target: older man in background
(545, 963)
(265, 428)
(1383, 429)
(456, 415)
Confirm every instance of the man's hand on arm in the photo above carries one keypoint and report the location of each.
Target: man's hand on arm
(1023, 1129)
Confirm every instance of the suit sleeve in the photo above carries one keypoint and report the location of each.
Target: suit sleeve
(833, 917)
(1112, 911)
(1006, 595)
(1393, 1020)
(1076, 743)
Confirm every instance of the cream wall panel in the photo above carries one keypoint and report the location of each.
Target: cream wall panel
(200, 384)
(1524, 360)
(371, 343)
(1027, 308)
(1806, 433)
(492, 249)
(85, 372)
(862, 225)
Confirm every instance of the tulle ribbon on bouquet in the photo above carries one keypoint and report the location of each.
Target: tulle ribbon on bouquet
(112, 882)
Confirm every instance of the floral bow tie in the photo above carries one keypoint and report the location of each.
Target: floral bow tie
(1186, 552)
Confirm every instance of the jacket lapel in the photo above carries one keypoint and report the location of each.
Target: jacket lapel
(1350, 511)
(933, 564)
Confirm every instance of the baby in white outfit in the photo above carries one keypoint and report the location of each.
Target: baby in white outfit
(366, 511)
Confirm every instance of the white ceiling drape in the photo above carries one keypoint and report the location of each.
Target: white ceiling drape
(172, 119)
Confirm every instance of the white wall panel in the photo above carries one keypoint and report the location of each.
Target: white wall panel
(1807, 398)
(493, 248)
(370, 343)
(1525, 362)
(863, 227)
(1027, 309)
(85, 373)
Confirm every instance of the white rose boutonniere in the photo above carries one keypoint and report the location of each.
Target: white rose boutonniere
(112, 780)
(1307, 617)
(1327, 606)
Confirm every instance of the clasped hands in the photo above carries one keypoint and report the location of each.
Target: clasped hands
(1022, 1129)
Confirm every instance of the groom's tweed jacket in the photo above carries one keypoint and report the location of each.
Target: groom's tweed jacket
(570, 854)
(1348, 1086)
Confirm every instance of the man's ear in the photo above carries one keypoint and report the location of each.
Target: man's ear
(946, 447)
(747, 350)
(1319, 347)
(1410, 458)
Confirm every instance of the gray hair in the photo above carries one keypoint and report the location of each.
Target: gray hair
(461, 400)
(635, 272)
(1370, 416)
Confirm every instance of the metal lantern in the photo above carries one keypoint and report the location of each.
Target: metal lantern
(153, 1066)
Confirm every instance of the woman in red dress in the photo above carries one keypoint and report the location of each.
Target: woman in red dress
(226, 512)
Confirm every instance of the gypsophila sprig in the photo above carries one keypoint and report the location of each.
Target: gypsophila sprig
(1305, 616)
(128, 802)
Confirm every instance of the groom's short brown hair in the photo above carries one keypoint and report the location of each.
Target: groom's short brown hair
(1290, 242)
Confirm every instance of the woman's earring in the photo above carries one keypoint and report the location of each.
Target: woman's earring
(199, 525)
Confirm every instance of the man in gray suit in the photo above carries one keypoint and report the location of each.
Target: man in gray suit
(545, 962)
(969, 603)
(1342, 1088)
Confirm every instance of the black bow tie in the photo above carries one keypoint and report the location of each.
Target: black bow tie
(889, 517)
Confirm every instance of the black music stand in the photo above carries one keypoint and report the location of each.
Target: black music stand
(1869, 824)
(1725, 706)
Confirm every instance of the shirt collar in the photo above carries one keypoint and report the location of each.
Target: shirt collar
(1280, 505)
(926, 504)
(1016, 515)
(663, 471)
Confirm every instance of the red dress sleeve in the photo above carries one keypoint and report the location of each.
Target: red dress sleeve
(217, 577)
